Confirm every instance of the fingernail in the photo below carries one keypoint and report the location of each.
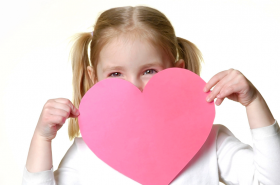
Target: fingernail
(204, 89)
(208, 99)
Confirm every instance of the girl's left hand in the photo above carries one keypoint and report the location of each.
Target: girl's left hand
(231, 84)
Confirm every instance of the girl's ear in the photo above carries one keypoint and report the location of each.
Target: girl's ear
(180, 63)
(90, 73)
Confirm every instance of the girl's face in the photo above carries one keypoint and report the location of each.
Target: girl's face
(135, 62)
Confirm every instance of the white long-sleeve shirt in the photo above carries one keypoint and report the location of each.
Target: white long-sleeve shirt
(222, 158)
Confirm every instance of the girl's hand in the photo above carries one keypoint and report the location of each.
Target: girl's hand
(53, 116)
(233, 85)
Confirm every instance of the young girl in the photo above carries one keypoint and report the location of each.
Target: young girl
(134, 43)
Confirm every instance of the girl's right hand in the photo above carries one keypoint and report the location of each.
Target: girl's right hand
(53, 116)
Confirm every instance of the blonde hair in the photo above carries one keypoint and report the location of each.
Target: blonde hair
(135, 22)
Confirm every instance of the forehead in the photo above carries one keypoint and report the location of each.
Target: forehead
(122, 50)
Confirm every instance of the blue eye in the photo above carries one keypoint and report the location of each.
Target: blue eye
(114, 74)
(149, 71)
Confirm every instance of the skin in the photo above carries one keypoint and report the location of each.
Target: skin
(133, 57)
(232, 84)
(138, 60)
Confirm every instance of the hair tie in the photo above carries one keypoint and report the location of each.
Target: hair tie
(91, 33)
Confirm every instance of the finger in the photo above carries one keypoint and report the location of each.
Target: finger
(60, 106)
(214, 80)
(58, 112)
(226, 81)
(57, 120)
(69, 111)
(74, 111)
(233, 77)
(219, 101)
(230, 90)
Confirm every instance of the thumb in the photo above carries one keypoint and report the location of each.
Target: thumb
(74, 112)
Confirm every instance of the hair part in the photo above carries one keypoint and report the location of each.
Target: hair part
(139, 22)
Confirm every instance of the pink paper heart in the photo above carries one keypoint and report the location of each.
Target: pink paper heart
(148, 136)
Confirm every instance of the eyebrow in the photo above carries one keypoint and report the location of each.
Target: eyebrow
(141, 67)
(109, 68)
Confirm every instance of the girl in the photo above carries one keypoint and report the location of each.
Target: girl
(134, 43)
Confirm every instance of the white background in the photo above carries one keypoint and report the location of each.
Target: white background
(34, 65)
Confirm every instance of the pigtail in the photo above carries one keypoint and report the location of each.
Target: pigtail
(81, 81)
(190, 54)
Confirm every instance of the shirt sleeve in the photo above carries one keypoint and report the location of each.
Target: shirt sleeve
(240, 163)
(66, 174)
(39, 178)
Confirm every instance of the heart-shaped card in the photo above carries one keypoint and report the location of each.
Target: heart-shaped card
(148, 136)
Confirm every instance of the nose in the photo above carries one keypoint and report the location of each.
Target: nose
(138, 83)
